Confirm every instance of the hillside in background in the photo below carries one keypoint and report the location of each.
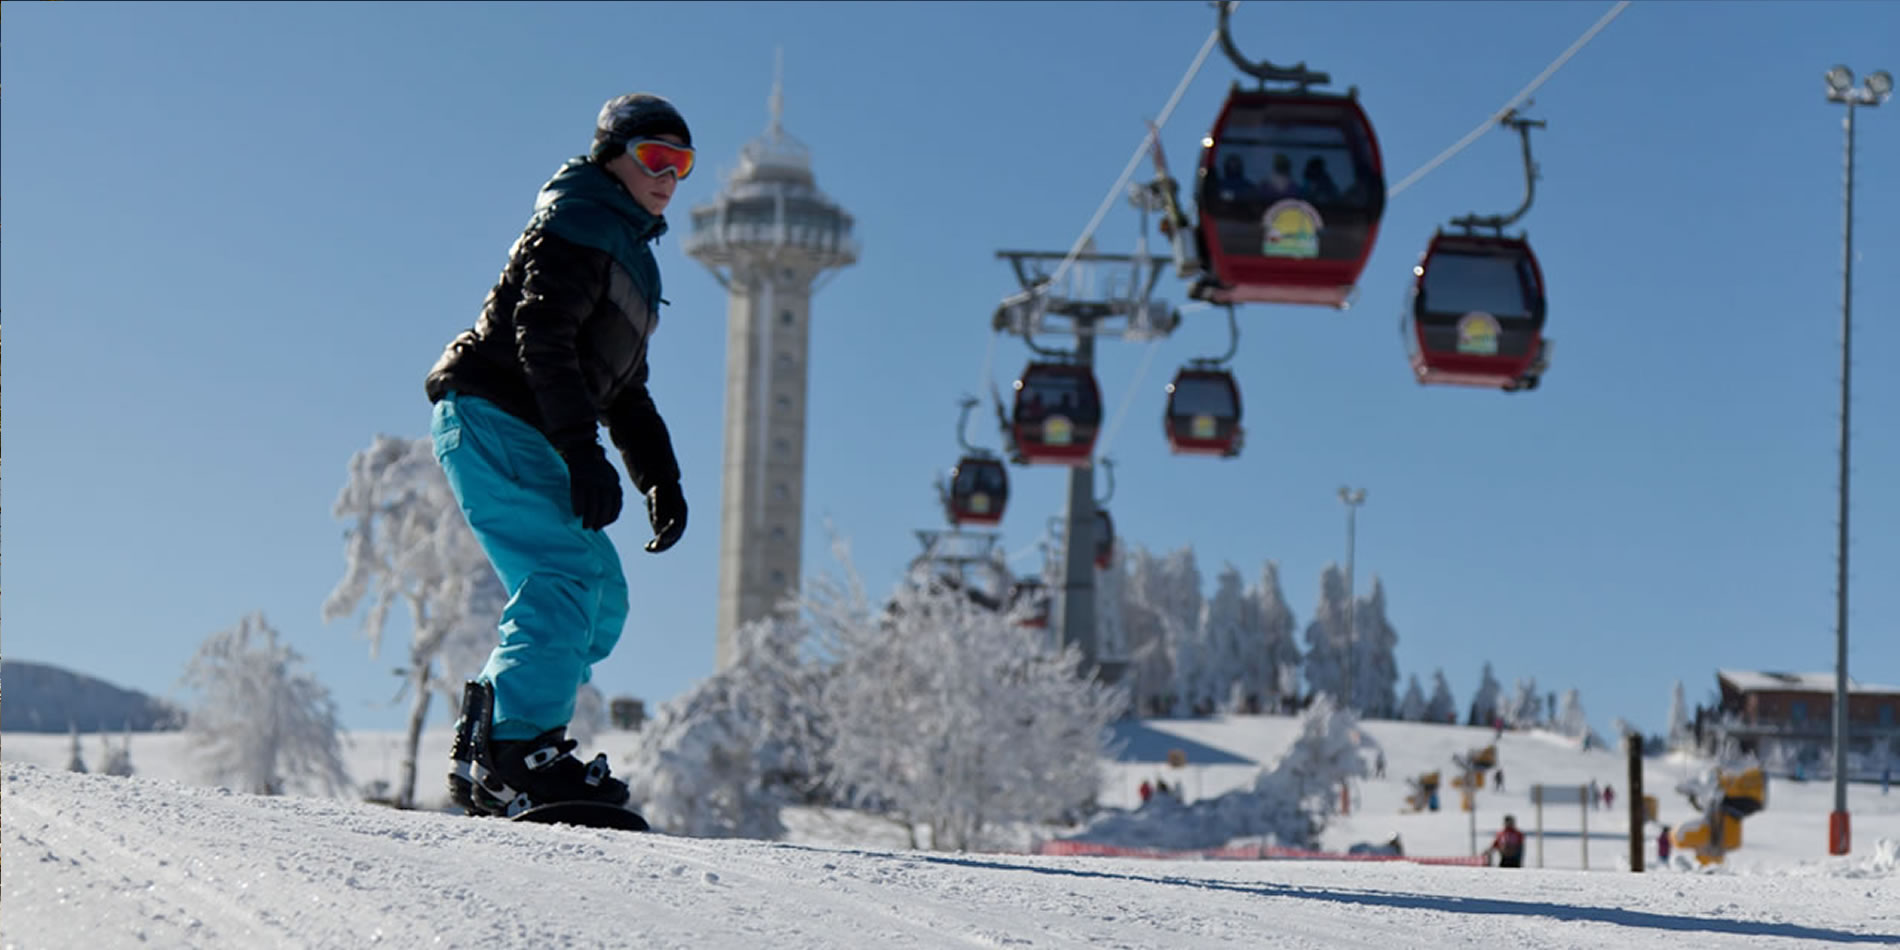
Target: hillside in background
(41, 698)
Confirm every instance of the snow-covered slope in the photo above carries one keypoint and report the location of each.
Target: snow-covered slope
(93, 861)
(103, 863)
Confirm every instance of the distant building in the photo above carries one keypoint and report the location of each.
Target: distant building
(1788, 720)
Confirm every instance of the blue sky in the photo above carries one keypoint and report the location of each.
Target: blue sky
(237, 235)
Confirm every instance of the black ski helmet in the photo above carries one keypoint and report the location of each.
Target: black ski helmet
(632, 116)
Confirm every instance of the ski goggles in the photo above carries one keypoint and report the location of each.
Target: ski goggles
(657, 157)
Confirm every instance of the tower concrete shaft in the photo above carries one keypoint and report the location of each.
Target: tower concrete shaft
(770, 237)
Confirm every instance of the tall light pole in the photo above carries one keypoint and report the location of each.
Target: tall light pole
(1840, 88)
(1353, 497)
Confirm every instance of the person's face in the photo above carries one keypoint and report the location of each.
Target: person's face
(653, 193)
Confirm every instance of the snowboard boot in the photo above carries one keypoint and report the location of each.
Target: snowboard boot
(506, 778)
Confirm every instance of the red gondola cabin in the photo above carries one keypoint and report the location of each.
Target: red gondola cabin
(1291, 189)
(1057, 415)
(978, 491)
(1476, 313)
(1203, 413)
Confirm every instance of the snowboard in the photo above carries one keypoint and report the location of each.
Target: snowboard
(584, 814)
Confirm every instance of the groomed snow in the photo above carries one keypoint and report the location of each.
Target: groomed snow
(100, 862)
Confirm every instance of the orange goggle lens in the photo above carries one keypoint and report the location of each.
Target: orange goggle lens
(659, 157)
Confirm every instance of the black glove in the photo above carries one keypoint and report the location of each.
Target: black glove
(666, 509)
(593, 485)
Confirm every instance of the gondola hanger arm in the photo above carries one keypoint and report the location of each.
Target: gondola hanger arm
(1263, 70)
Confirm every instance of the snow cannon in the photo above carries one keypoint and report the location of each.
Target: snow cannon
(1485, 758)
(1424, 792)
(1744, 793)
(1710, 841)
(1732, 796)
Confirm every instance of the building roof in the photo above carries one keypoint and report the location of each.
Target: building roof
(1749, 681)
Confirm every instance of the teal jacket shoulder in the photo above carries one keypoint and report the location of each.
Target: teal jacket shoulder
(583, 203)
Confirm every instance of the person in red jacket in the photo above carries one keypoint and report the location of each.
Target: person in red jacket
(1508, 845)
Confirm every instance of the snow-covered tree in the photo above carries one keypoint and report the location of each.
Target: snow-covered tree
(1484, 704)
(75, 762)
(1178, 601)
(1442, 707)
(723, 759)
(118, 759)
(1412, 706)
(1326, 645)
(1681, 729)
(1232, 655)
(1525, 709)
(260, 723)
(1571, 720)
(1375, 670)
(1273, 622)
(944, 712)
(409, 544)
(1150, 653)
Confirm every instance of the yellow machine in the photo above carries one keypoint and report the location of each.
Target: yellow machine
(1719, 830)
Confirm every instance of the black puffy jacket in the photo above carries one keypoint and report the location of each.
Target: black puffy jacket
(562, 338)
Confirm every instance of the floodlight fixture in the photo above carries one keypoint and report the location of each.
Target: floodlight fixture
(1881, 85)
(1839, 79)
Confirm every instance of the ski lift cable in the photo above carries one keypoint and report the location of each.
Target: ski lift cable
(1147, 142)
(1128, 400)
(1523, 94)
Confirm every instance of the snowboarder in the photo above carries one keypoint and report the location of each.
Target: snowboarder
(1609, 797)
(1500, 780)
(1147, 791)
(1378, 765)
(561, 347)
(1508, 845)
(1662, 845)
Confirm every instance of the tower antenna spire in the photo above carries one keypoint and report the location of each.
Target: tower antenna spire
(777, 103)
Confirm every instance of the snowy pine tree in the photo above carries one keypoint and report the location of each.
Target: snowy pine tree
(1571, 720)
(1233, 655)
(1412, 706)
(260, 724)
(1525, 708)
(1442, 707)
(1484, 704)
(1681, 731)
(1375, 669)
(118, 759)
(1150, 653)
(1273, 620)
(1325, 659)
(75, 762)
(1177, 600)
(409, 544)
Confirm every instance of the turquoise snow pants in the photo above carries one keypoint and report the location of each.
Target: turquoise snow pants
(567, 593)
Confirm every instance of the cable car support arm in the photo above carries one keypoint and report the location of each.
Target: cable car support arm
(1263, 70)
(1498, 222)
(963, 426)
(1108, 465)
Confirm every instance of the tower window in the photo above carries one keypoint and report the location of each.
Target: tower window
(785, 317)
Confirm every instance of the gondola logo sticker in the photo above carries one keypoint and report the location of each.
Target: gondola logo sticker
(980, 503)
(1293, 228)
(1203, 426)
(1058, 430)
(1478, 334)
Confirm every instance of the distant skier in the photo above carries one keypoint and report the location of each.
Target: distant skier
(560, 348)
(1508, 845)
(1662, 845)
